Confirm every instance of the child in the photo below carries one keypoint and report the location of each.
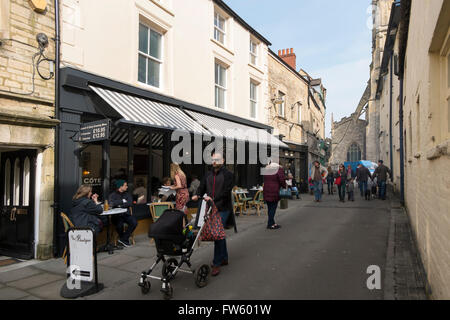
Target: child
(374, 188)
(351, 189)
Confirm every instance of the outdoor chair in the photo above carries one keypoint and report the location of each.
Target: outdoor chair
(157, 209)
(257, 202)
(237, 204)
(67, 225)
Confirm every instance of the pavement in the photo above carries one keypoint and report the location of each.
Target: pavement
(322, 251)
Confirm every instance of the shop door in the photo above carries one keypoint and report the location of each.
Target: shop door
(17, 181)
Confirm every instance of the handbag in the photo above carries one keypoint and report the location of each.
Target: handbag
(285, 193)
(338, 181)
(213, 229)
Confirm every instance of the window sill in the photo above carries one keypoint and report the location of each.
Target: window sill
(149, 87)
(163, 7)
(256, 68)
(222, 46)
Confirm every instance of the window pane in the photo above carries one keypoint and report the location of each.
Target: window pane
(153, 73)
(143, 38)
(7, 200)
(220, 98)
(155, 44)
(26, 182)
(216, 73)
(223, 76)
(252, 109)
(16, 195)
(252, 59)
(142, 69)
(252, 91)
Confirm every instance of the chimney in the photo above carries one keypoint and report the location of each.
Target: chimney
(289, 57)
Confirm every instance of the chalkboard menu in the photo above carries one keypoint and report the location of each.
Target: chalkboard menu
(95, 131)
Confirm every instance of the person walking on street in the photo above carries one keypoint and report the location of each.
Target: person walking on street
(341, 180)
(330, 180)
(351, 190)
(381, 173)
(217, 184)
(274, 180)
(318, 173)
(122, 199)
(182, 197)
(362, 177)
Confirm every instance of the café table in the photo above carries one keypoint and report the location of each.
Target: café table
(109, 247)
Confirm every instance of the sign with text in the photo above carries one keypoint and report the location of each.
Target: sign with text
(81, 248)
(95, 131)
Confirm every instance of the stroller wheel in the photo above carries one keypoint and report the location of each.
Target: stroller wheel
(145, 287)
(168, 292)
(169, 267)
(201, 275)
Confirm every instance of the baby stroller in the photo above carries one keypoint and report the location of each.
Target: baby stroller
(173, 239)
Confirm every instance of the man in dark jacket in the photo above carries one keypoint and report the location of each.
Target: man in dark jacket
(217, 185)
(122, 199)
(362, 176)
(381, 173)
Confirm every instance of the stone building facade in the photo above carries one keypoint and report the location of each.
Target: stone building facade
(420, 123)
(27, 131)
(381, 13)
(296, 111)
(347, 135)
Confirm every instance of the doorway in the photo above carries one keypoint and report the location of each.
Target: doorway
(17, 186)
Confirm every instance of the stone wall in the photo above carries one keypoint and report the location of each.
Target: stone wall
(26, 116)
(343, 134)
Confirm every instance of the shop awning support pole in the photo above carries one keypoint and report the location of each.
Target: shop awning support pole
(150, 167)
(130, 162)
(106, 165)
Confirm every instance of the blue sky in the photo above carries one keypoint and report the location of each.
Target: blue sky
(331, 40)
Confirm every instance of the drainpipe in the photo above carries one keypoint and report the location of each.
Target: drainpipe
(390, 112)
(57, 129)
(402, 156)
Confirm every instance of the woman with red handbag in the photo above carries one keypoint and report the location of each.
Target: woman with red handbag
(341, 181)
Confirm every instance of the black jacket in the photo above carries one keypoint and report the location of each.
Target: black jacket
(218, 187)
(121, 200)
(381, 173)
(85, 213)
(363, 174)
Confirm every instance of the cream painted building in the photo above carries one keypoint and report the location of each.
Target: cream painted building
(421, 59)
(27, 131)
(200, 50)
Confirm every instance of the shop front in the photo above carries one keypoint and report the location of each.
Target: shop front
(111, 131)
(295, 161)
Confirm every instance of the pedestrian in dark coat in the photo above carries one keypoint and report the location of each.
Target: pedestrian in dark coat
(342, 173)
(381, 173)
(362, 177)
(217, 185)
(86, 209)
(274, 180)
(122, 199)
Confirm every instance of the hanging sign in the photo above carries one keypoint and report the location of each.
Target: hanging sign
(95, 131)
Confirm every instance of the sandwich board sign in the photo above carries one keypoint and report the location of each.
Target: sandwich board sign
(81, 254)
(81, 264)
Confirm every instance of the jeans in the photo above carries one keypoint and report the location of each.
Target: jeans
(271, 210)
(363, 187)
(120, 221)
(294, 191)
(220, 246)
(341, 189)
(318, 186)
(351, 196)
(382, 190)
(330, 187)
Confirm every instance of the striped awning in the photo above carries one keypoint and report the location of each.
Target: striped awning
(233, 130)
(141, 138)
(146, 112)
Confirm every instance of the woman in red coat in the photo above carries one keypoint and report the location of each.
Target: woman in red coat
(274, 179)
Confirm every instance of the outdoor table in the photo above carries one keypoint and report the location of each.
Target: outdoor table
(109, 247)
